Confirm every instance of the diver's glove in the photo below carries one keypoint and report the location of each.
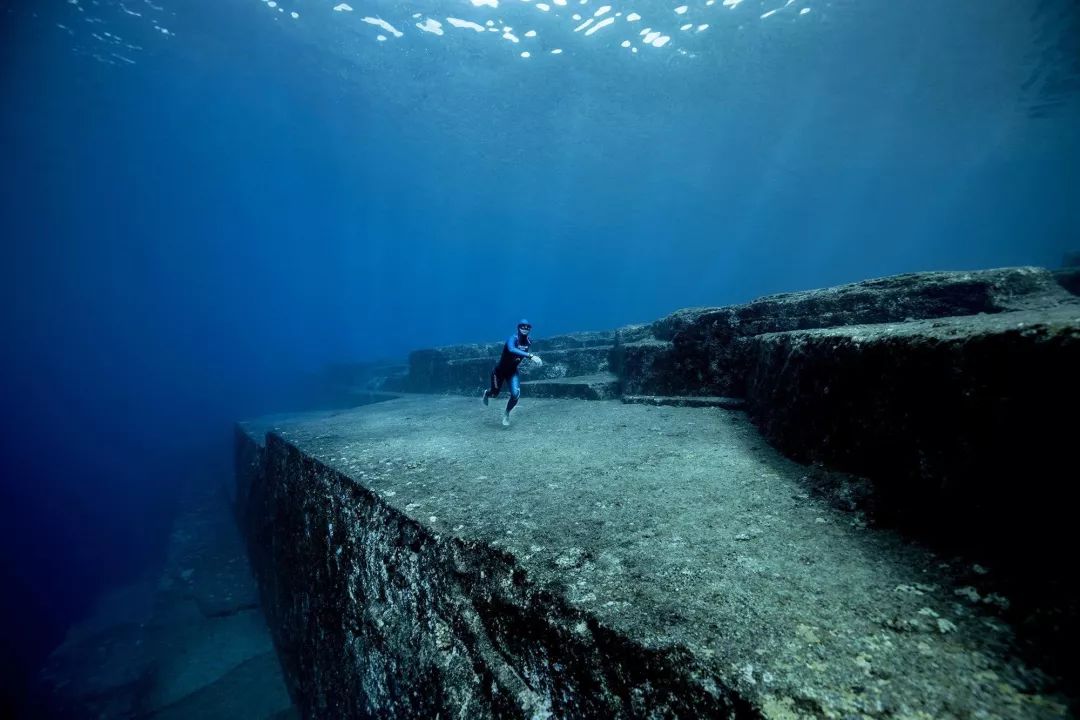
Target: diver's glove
(537, 361)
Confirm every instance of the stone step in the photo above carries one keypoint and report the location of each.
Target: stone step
(727, 403)
(707, 351)
(470, 374)
(367, 397)
(956, 422)
(600, 386)
(703, 351)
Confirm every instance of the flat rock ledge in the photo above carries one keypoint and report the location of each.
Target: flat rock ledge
(600, 560)
(686, 401)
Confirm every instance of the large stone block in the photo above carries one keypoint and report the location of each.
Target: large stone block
(569, 363)
(601, 386)
(658, 367)
(1069, 278)
(967, 404)
(418, 560)
(965, 427)
(427, 370)
(601, 560)
(466, 375)
(707, 350)
(603, 338)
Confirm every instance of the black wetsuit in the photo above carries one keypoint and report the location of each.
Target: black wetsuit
(514, 351)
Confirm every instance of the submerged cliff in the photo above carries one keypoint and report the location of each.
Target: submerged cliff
(189, 642)
(735, 542)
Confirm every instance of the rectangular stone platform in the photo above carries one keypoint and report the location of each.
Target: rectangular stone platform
(599, 560)
(599, 386)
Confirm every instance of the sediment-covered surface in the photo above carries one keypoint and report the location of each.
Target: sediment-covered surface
(600, 559)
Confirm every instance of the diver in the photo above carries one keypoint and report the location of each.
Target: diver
(514, 351)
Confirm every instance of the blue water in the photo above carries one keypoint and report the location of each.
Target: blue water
(203, 202)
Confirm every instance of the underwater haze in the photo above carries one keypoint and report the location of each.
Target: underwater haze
(203, 202)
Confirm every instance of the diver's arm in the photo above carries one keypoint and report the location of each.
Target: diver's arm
(512, 346)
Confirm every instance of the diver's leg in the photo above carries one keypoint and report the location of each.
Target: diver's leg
(515, 393)
(493, 391)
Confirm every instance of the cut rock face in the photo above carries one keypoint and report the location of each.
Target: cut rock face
(961, 400)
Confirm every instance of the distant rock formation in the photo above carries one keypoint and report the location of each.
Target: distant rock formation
(707, 351)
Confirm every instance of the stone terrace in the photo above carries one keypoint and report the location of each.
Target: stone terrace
(672, 555)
